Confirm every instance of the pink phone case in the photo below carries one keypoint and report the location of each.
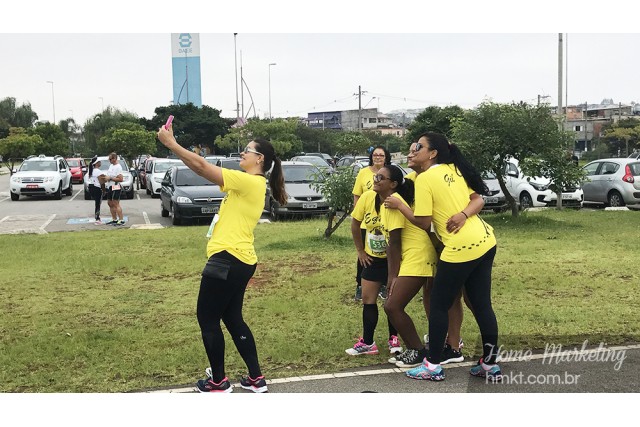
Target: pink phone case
(169, 120)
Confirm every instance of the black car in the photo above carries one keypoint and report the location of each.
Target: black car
(188, 196)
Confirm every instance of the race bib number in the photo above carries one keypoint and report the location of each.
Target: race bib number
(377, 243)
(116, 187)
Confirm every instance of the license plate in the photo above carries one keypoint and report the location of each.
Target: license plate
(309, 205)
(32, 186)
(491, 200)
(210, 210)
(567, 196)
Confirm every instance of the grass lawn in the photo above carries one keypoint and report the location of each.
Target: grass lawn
(125, 320)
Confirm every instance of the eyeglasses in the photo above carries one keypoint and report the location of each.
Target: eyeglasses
(377, 155)
(378, 178)
(419, 147)
(248, 150)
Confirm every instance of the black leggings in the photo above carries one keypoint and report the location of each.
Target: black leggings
(475, 276)
(96, 195)
(222, 300)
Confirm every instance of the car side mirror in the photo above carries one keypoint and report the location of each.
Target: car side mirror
(63, 170)
(14, 170)
(513, 174)
(166, 182)
(84, 169)
(132, 170)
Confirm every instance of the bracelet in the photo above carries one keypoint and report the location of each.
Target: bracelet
(463, 213)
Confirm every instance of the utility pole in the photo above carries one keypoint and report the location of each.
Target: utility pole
(241, 86)
(359, 108)
(235, 56)
(566, 73)
(585, 126)
(560, 75)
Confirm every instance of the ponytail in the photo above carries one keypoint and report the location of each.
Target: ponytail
(276, 182)
(93, 159)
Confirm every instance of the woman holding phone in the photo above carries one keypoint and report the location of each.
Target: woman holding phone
(232, 257)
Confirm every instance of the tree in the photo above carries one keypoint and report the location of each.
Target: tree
(337, 189)
(616, 135)
(129, 143)
(491, 133)
(281, 133)
(12, 115)
(97, 126)
(434, 119)
(352, 143)
(317, 140)
(391, 142)
(18, 145)
(53, 140)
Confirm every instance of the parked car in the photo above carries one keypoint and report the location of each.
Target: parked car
(303, 199)
(142, 171)
(612, 182)
(229, 163)
(186, 195)
(535, 191)
(318, 162)
(349, 160)
(155, 174)
(327, 158)
(213, 159)
(635, 155)
(41, 176)
(355, 167)
(127, 176)
(496, 199)
(78, 168)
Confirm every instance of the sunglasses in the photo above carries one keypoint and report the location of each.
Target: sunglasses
(377, 155)
(378, 178)
(248, 150)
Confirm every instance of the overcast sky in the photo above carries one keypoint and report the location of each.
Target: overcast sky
(317, 69)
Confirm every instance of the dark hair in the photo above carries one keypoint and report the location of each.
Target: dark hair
(93, 159)
(387, 155)
(276, 177)
(404, 187)
(450, 154)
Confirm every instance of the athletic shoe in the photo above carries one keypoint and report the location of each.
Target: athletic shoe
(113, 221)
(258, 385)
(98, 222)
(409, 359)
(394, 345)
(426, 342)
(395, 358)
(423, 372)
(361, 348)
(119, 222)
(383, 292)
(449, 355)
(208, 386)
(490, 372)
(358, 296)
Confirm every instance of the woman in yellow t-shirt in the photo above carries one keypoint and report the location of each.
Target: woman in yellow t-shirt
(378, 158)
(232, 257)
(448, 193)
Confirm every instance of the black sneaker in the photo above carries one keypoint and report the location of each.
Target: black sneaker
(113, 221)
(410, 359)
(208, 386)
(358, 296)
(258, 385)
(119, 222)
(449, 355)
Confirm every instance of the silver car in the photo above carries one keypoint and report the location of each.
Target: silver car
(612, 182)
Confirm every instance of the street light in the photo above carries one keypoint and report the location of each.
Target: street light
(53, 102)
(273, 63)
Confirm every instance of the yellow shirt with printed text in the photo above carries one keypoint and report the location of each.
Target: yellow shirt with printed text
(239, 213)
(365, 211)
(364, 182)
(442, 192)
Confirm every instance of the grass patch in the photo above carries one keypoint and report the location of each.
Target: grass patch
(125, 319)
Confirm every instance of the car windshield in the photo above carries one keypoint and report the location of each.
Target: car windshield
(231, 165)
(40, 165)
(318, 161)
(187, 177)
(488, 175)
(104, 165)
(164, 166)
(298, 174)
(73, 163)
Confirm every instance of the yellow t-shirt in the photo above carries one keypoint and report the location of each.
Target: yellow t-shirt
(411, 175)
(239, 213)
(442, 192)
(375, 243)
(364, 181)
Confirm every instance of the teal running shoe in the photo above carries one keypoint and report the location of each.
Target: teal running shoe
(422, 372)
(490, 372)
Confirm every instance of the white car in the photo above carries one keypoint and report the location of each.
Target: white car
(496, 200)
(41, 176)
(155, 174)
(535, 191)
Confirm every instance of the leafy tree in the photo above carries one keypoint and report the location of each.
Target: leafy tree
(12, 115)
(336, 188)
(97, 126)
(53, 139)
(18, 145)
(492, 133)
(352, 143)
(619, 137)
(129, 143)
(281, 133)
(192, 126)
(393, 143)
(317, 140)
(434, 119)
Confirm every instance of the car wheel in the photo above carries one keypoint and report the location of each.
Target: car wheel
(147, 189)
(615, 199)
(176, 219)
(163, 212)
(273, 215)
(69, 191)
(15, 197)
(58, 194)
(525, 200)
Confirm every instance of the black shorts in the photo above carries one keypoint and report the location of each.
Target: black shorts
(376, 271)
(113, 194)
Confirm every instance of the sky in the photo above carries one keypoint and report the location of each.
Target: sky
(318, 67)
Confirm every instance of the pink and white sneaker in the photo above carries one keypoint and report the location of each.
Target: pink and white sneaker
(394, 345)
(361, 348)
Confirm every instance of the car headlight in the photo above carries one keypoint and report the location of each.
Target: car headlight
(16, 179)
(181, 199)
(157, 179)
(539, 187)
(47, 179)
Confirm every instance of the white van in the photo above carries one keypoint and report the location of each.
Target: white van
(534, 191)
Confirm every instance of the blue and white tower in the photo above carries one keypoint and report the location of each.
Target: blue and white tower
(185, 60)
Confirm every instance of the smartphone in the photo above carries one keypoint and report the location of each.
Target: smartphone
(169, 120)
